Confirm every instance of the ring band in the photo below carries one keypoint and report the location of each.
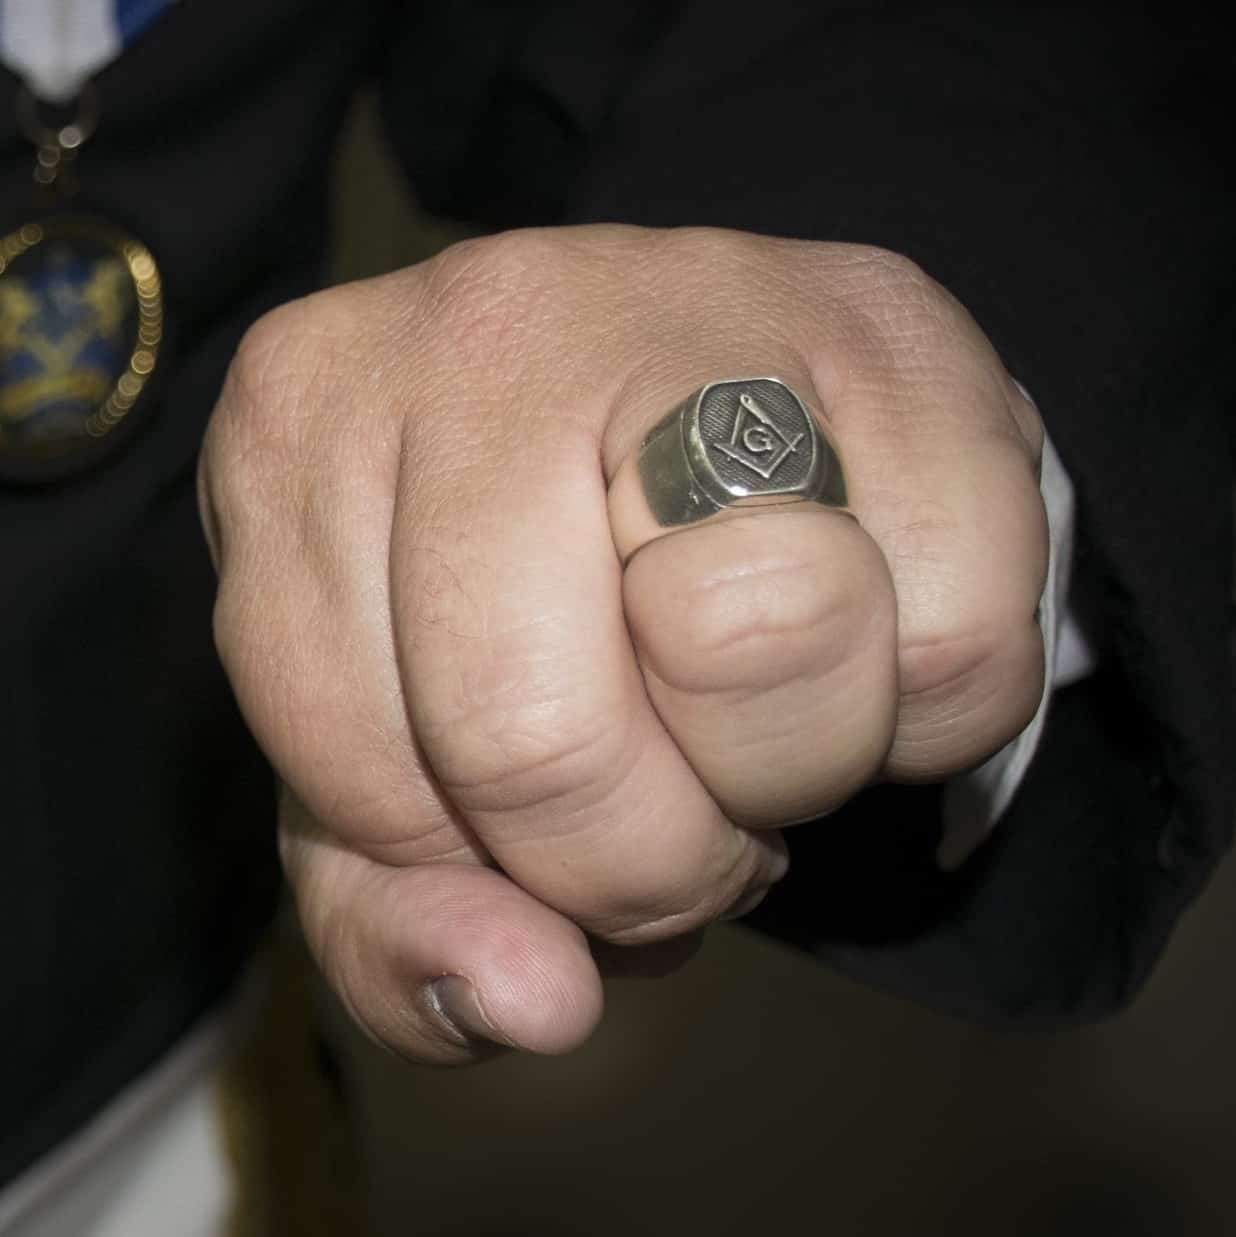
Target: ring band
(741, 442)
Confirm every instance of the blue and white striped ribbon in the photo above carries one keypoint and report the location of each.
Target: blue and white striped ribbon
(56, 45)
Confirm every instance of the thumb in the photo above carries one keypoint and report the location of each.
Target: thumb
(439, 962)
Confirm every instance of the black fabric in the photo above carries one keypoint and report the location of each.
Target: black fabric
(139, 862)
(1056, 920)
(1060, 170)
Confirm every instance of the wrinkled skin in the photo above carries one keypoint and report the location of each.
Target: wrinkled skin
(505, 755)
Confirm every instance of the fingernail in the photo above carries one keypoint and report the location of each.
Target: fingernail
(456, 1004)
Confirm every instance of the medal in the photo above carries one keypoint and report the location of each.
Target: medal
(82, 333)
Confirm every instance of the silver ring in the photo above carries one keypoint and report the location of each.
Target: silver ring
(737, 443)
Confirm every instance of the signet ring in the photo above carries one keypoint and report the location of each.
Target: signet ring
(736, 444)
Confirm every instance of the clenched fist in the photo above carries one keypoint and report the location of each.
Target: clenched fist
(497, 738)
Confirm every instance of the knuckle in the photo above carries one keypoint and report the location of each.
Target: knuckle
(512, 711)
(930, 364)
(261, 354)
(482, 291)
(277, 456)
(944, 657)
(736, 273)
(893, 277)
(905, 318)
(284, 365)
(519, 746)
(665, 910)
(989, 673)
(712, 248)
(741, 633)
(235, 631)
(779, 617)
(284, 349)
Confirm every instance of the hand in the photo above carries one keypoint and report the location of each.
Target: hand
(494, 739)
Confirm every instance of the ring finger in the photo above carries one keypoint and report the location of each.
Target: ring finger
(767, 635)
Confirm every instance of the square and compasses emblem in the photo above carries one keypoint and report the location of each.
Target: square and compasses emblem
(756, 441)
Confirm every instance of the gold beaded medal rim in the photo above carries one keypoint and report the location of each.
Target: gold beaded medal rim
(148, 287)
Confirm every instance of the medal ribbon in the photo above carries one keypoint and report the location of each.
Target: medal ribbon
(55, 46)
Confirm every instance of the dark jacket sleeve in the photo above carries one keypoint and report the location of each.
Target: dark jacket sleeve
(1061, 171)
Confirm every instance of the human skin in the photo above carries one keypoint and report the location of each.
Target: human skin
(505, 753)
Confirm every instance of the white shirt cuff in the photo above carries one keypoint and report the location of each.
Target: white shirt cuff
(975, 801)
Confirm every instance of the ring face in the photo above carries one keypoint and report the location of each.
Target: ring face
(752, 440)
(740, 442)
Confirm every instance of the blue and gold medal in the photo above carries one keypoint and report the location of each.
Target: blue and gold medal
(82, 315)
(81, 328)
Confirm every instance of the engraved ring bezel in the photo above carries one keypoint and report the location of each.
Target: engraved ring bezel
(705, 472)
(734, 444)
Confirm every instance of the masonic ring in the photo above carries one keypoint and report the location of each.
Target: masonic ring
(738, 443)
